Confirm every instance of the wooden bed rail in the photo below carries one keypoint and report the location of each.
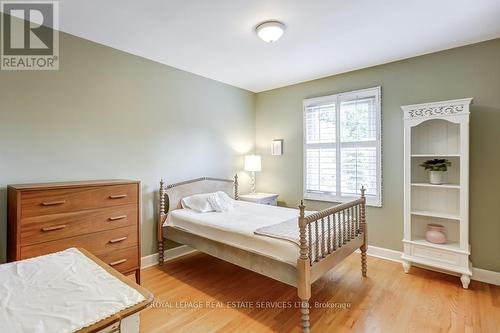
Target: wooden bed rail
(323, 232)
(326, 238)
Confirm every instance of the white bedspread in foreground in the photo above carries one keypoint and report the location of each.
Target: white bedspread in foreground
(60, 292)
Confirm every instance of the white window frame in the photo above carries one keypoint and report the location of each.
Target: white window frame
(336, 98)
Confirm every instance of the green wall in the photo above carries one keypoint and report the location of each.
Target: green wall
(109, 114)
(470, 71)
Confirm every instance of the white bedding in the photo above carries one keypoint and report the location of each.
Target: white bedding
(60, 292)
(237, 226)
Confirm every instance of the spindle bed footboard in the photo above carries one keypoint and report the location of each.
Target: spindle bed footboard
(326, 238)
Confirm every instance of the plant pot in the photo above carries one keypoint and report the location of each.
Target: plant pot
(436, 177)
(435, 234)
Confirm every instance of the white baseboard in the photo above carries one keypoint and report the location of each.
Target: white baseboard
(169, 254)
(484, 275)
(478, 274)
(383, 253)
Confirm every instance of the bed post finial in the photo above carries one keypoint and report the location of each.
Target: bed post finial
(236, 195)
(160, 223)
(162, 197)
(362, 218)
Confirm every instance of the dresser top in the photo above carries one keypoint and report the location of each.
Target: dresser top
(258, 195)
(82, 183)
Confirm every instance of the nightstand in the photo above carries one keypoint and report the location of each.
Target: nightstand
(260, 198)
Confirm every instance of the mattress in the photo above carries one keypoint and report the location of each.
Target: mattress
(60, 292)
(237, 226)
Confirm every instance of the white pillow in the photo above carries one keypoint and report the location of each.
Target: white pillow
(198, 202)
(221, 202)
(208, 202)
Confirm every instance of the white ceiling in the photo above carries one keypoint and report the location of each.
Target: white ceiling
(216, 39)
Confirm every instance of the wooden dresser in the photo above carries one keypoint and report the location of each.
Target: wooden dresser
(102, 217)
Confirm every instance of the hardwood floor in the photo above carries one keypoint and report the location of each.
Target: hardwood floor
(198, 293)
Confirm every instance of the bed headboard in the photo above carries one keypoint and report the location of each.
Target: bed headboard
(171, 195)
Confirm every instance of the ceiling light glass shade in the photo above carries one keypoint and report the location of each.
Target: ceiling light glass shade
(252, 163)
(270, 31)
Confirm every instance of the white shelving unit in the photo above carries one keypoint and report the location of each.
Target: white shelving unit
(437, 130)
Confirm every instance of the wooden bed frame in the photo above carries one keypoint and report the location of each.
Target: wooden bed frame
(339, 231)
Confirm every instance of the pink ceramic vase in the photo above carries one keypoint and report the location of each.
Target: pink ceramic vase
(435, 234)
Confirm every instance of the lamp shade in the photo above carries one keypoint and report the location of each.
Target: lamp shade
(252, 163)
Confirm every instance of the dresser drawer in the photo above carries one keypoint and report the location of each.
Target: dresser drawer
(124, 260)
(270, 201)
(96, 243)
(54, 201)
(261, 198)
(45, 228)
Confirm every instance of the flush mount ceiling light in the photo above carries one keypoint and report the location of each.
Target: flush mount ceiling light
(270, 31)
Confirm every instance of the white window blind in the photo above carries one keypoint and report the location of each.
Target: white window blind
(342, 146)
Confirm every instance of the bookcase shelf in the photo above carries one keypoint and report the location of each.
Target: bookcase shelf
(436, 214)
(450, 246)
(450, 186)
(435, 155)
(437, 131)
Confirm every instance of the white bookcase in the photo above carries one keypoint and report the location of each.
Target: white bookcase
(437, 130)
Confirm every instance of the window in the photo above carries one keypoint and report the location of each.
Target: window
(342, 147)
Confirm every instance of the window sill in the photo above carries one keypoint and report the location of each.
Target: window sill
(370, 201)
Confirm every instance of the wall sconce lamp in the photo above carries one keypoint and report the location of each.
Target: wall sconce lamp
(277, 147)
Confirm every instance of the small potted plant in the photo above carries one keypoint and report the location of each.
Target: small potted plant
(437, 168)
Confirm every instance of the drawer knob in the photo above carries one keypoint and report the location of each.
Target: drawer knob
(53, 203)
(117, 240)
(56, 227)
(117, 196)
(114, 263)
(121, 217)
